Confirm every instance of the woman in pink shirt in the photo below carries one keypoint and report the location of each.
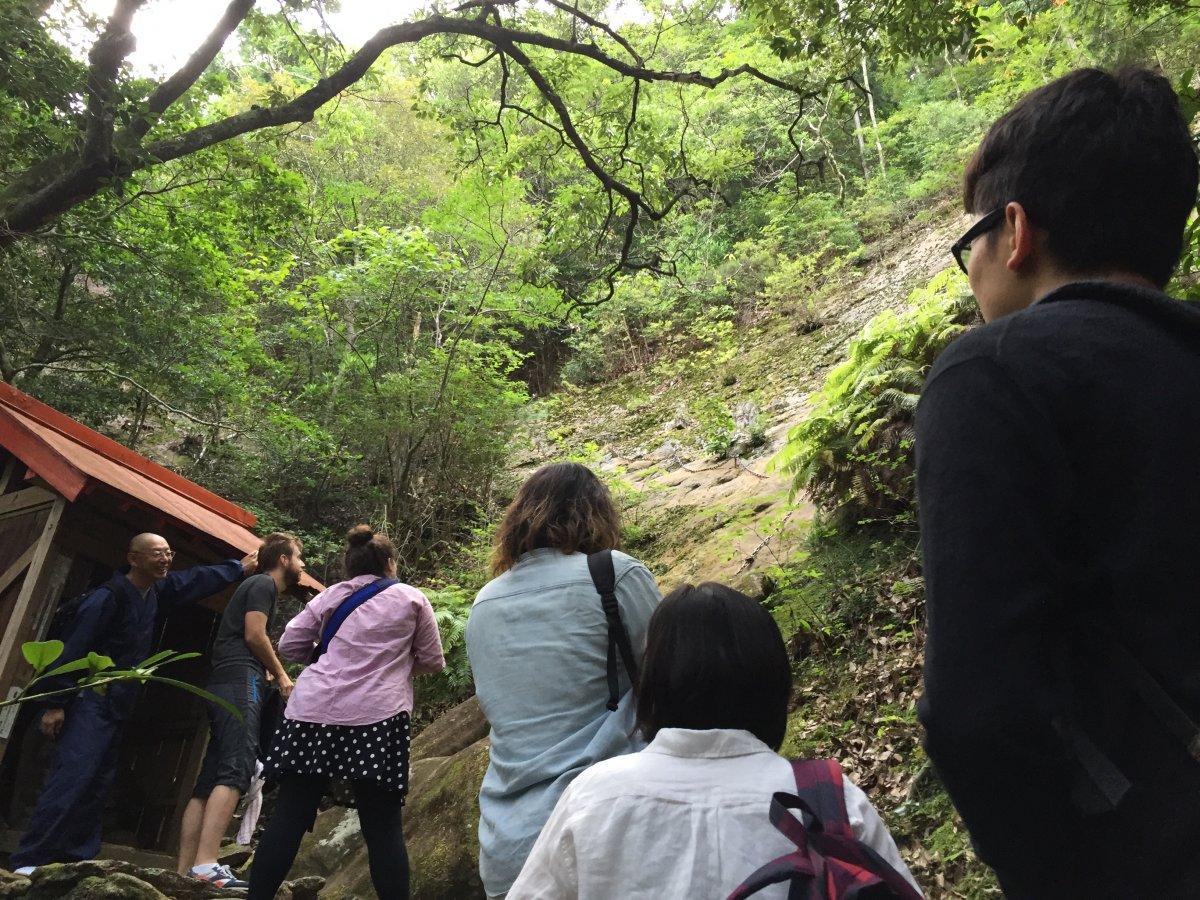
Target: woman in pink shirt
(346, 731)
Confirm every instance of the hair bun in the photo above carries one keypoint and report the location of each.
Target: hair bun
(360, 535)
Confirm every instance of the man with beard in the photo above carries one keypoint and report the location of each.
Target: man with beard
(115, 620)
(242, 658)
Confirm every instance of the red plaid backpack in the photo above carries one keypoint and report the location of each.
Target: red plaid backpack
(829, 862)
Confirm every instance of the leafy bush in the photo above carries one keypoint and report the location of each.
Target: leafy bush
(853, 454)
(717, 426)
(451, 607)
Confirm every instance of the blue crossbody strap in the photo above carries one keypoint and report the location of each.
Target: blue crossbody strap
(347, 606)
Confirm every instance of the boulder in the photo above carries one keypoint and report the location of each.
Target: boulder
(306, 888)
(91, 880)
(441, 827)
(12, 885)
(117, 886)
(101, 879)
(452, 731)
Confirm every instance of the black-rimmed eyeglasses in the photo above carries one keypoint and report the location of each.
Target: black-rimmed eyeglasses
(962, 247)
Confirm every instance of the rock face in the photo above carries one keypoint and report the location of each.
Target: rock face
(440, 816)
(110, 879)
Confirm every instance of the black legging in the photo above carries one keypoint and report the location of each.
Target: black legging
(296, 808)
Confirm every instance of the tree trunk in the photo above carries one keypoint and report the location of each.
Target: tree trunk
(871, 109)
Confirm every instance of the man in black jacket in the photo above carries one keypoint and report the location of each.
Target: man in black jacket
(116, 620)
(1059, 492)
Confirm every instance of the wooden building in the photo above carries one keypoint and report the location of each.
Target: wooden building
(70, 500)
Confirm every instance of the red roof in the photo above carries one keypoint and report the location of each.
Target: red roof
(73, 458)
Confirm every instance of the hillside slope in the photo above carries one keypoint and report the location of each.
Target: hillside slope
(696, 515)
(850, 606)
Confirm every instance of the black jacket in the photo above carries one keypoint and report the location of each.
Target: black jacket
(1058, 456)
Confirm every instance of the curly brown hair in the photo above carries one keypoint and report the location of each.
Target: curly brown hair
(562, 505)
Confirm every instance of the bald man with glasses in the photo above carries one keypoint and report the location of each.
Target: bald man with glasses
(115, 620)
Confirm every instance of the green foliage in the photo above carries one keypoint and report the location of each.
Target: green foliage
(716, 425)
(451, 608)
(99, 672)
(809, 27)
(853, 454)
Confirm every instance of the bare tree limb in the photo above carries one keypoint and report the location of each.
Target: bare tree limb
(575, 12)
(45, 191)
(98, 369)
(175, 86)
(104, 61)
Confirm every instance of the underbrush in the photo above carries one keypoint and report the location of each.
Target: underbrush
(851, 607)
(853, 455)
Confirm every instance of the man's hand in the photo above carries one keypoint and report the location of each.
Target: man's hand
(250, 563)
(285, 685)
(52, 722)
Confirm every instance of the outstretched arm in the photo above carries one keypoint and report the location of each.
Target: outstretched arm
(198, 582)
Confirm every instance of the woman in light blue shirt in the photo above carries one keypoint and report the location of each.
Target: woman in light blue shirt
(538, 643)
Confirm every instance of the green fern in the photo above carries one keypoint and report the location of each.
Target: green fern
(853, 454)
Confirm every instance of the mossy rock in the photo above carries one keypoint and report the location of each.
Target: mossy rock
(441, 828)
(91, 880)
(454, 730)
(117, 886)
(12, 885)
(440, 821)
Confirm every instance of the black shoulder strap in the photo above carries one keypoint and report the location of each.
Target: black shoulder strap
(604, 577)
(1106, 784)
(1154, 695)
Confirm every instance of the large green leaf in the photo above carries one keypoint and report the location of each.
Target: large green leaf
(40, 654)
(199, 692)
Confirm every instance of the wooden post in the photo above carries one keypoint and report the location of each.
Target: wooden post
(45, 577)
(6, 472)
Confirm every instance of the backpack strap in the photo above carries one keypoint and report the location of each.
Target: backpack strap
(343, 611)
(819, 785)
(1104, 785)
(604, 577)
(829, 861)
(1173, 717)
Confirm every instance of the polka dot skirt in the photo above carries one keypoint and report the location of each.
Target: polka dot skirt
(346, 753)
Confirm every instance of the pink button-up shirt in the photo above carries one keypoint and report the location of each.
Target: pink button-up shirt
(366, 674)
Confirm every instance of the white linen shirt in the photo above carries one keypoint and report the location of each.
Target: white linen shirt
(685, 818)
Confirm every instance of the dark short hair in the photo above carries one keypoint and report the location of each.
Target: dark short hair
(562, 505)
(714, 659)
(367, 552)
(1103, 162)
(275, 545)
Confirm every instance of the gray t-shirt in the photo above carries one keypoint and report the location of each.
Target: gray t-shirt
(231, 656)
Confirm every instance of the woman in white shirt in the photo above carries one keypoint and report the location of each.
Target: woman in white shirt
(688, 816)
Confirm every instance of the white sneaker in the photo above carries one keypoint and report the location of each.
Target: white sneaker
(25, 870)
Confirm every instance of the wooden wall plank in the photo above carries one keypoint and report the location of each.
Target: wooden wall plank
(36, 587)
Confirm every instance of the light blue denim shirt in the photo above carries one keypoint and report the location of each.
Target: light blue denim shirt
(538, 644)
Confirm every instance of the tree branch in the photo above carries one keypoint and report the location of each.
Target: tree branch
(58, 183)
(173, 410)
(104, 61)
(175, 86)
